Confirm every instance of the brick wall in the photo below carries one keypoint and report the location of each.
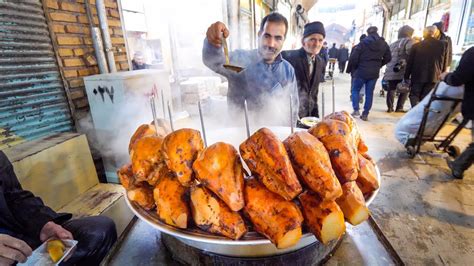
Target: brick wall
(70, 24)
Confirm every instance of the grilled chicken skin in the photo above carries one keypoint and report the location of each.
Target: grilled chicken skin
(146, 156)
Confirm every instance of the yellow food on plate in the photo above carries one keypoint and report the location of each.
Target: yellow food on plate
(55, 249)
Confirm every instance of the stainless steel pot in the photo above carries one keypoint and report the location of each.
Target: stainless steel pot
(251, 244)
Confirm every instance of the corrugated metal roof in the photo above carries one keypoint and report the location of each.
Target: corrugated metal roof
(32, 98)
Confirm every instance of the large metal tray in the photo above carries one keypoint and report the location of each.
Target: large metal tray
(251, 244)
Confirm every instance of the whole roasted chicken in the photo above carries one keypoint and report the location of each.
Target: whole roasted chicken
(218, 168)
(266, 157)
(180, 148)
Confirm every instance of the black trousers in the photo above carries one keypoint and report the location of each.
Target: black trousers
(342, 65)
(392, 90)
(95, 236)
(466, 158)
(419, 91)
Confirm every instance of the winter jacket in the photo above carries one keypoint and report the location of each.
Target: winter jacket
(343, 55)
(448, 53)
(333, 52)
(368, 57)
(426, 61)
(464, 74)
(257, 82)
(308, 85)
(400, 51)
(20, 210)
(323, 54)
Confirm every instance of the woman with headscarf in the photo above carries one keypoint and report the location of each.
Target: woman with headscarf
(395, 70)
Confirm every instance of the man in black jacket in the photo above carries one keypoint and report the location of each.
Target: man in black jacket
(342, 58)
(464, 74)
(366, 60)
(425, 63)
(448, 53)
(333, 52)
(308, 67)
(25, 222)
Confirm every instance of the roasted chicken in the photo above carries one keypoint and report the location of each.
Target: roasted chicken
(367, 179)
(218, 168)
(349, 120)
(312, 164)
(324, 218)
(272, 216)
(211, 214)
(352, 203)
(146, 156)
(143, 196)
(180, 148)
(267, 158)
(335, 135)
(171, 200)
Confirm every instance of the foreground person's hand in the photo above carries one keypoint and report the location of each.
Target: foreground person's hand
(443, 75)
(215, 32)
(13, 250)
(53, 230)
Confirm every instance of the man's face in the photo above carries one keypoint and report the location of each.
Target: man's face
(140, 60)
(271, 40)
(313, 43)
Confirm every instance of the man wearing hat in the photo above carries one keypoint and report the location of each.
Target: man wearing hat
(308, 67)
(366, 60)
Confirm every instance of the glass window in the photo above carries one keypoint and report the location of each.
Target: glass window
(469, 39)
(418, 5)
(437, 2)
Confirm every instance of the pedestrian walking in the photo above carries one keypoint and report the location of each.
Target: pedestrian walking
(342, 58)
(323, 54)
(333, 52)
(440, 35)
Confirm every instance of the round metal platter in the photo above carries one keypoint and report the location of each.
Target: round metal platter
(251, 244)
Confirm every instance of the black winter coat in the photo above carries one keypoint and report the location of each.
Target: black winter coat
(333, 52)
(343, 55)
(20, 211)
(426, 61)
(308, 86)
(464, 74)
(368, 57)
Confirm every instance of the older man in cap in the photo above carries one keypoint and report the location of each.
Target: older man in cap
(308, 67)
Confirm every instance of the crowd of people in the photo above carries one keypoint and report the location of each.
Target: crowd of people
(412, 69)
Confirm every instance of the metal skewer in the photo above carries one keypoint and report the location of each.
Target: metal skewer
(333, 98)
(153, 112)
(322, 101)
(246, 119)
(163, 102)
(291, 113)
(202, 124)
(171, 117)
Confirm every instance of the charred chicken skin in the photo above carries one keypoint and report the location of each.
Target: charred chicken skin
(335, 135)
(312, 164)
(218, 168)
(266, 157)
(146, 156)
(349, 120)
(211, 214)
(125, 175)
(272, 216)
(180, 148)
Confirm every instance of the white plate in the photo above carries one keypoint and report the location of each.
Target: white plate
(40, 256)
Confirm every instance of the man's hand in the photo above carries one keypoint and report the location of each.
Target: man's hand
(215, 32)
(53, 230)
(13, 250)
(443, 75)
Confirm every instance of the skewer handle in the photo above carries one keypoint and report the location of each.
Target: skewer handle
(202, 124)
(291, 113)
(226, 50)
(171, 116)
(246, 118)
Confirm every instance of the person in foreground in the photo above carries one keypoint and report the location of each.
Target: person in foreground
(308, 67)
(464, 74)
(267, 80)
(25, 223)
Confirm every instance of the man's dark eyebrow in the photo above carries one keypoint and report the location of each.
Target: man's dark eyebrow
(269, 35)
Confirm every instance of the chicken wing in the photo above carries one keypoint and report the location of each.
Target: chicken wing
(211, 214)
(335, 136)
(171, 200)
(312, 164)
(324, 218)
(180, 148)
(272, 216)
(266, 157)
(218, 168)
(146, 156)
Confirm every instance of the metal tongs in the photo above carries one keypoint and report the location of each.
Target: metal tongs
(227, 64)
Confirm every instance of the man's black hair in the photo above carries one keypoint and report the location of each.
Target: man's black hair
(274, 17)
